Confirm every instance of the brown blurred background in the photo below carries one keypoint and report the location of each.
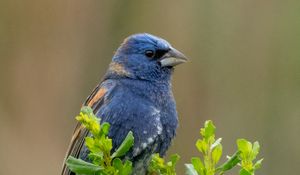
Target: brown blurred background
(244, 73)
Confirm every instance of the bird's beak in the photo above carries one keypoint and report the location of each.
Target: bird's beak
(172, 58)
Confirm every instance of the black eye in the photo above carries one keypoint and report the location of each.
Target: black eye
(149, 53)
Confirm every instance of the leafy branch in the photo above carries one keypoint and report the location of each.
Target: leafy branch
(100, 146)
(103, 162)
(211, 151)
(158, 165)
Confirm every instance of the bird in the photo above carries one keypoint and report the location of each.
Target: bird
(135, 95)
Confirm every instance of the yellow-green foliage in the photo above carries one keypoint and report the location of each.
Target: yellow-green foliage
(100, 146)
(158, 165)
(211, 152)
(103, 162)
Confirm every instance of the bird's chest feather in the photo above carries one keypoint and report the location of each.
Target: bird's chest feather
(158, 99)
(147, 109)
(157, 96)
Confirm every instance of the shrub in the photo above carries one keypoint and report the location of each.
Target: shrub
(103, 161)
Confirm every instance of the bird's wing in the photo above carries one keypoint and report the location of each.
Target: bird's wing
(95, 101)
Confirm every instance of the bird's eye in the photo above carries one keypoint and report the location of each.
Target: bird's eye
(149, 53)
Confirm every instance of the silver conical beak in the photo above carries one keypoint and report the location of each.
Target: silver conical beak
(172, 58)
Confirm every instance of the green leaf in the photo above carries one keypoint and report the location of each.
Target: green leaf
(92, 146)
(198, 165)
(174, 159)
(89, 120)
(217, 153)
(105, 128)
(125, 169)
(208, 130)
(255, 150)
(257, 165)
(107, 144)
(96, 158)
(158, 160)
(160, 167)
(156, 164)
(117, 163)
(125, 146)
(79, 166)
(90, 142)
(202, 146)
(190, 170)
(244, 172)
(244, 146)
(230, 163)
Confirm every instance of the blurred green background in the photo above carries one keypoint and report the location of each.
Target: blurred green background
(244, 73)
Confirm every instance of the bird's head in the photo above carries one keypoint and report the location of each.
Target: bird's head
(144, 56)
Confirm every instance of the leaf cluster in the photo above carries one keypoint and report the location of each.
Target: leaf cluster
(159, 166)
(211, 152)
(102, 162)
(248, 153)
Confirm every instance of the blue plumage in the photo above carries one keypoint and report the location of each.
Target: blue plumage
(135, 95)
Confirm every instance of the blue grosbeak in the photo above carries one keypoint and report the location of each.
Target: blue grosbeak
(135, 95)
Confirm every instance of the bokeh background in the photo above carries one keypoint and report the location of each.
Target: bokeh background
(244, 73)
